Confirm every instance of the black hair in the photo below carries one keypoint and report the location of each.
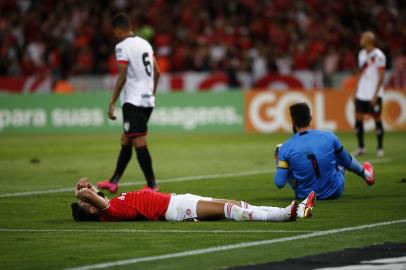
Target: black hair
(300, 113)
(79, 213)
(121, 20)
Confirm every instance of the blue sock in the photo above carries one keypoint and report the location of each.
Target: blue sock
(356, 167)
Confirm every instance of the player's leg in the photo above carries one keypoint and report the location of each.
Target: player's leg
(245, 211)
(350, 163)
(136, 128)
(359, 126)
(123, 158)
(234, 212)
(340, 181)
(379, 127)
(279, 214)
(145, 160)
(191, 207)
(304, 209)
(210, 210)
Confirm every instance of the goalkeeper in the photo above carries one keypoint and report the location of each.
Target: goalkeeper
(314, 160)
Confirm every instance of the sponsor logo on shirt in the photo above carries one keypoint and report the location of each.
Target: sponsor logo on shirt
(146, 95)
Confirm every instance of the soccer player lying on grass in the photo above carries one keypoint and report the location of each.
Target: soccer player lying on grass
(314, 160)
(150, 205)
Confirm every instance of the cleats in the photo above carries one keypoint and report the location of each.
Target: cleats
(107, 185)
(380, 153)
(369, 175)
(359, 152)
(305, 209)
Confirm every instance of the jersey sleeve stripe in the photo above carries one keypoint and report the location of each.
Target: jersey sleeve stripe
(381, 68)
(282, 164)
(124, 62)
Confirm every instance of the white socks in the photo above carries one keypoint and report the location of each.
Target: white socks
(256, 213)
(301, 208)
(279, 214)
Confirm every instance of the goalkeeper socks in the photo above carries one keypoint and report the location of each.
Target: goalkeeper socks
(145, 161)
(359, 130)
(122, 161)
(356, 167)
(379, 133)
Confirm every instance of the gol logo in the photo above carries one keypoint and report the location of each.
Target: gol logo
(331, 110)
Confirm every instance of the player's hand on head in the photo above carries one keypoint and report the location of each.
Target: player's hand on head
(83, 183)
(111, 111)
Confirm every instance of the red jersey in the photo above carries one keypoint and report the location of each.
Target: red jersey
(137, 205)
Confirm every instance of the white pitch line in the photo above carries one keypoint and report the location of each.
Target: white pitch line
(170, 180)
(233, 246)
(148, 231)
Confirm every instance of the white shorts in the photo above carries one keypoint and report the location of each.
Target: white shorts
(183, 207)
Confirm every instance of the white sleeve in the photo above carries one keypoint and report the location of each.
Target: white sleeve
(361, 60)
(121, 54)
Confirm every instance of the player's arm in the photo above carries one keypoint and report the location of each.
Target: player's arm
(361, 67)
(122, 77)
(91, 197)
(157, 74)
(381, 77)
(357, 75)
(281, 177)
(282, 167)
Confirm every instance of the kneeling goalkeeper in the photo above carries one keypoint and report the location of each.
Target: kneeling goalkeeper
(150, 205)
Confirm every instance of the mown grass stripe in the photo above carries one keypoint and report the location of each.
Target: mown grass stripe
(8, 230)
(169, 180)
(234, 246)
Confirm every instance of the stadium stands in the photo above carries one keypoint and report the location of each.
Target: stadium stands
(74, 37)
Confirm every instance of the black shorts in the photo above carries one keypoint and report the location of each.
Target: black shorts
(135, 120)
(366, 107)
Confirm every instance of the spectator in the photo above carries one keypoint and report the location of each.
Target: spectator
(398, 77)
(196, 35)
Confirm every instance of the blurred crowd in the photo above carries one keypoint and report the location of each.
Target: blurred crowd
(69, 37)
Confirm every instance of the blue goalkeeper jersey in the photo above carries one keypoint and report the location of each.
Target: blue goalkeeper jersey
(308, 162)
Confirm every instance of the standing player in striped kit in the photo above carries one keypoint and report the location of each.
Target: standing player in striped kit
(368, 100)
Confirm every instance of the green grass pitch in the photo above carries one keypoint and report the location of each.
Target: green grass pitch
(57, 242)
